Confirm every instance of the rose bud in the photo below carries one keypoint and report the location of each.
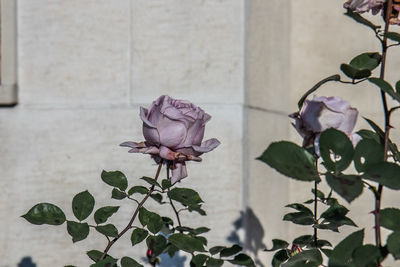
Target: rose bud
(173, 130)
(322, 113)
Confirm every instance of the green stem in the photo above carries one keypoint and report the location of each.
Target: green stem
(171, 202)
(129, 226)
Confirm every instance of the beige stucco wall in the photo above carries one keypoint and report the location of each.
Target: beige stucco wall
(85, 67)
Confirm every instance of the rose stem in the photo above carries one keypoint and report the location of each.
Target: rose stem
(129, 226)
(378, 195)
(315, 207)
(172, 203)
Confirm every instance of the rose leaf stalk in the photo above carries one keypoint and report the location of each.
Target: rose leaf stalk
(129, 225)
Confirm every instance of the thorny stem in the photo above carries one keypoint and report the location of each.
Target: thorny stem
(172, 203)
(129, 226)
(316, 207)
(378, 196)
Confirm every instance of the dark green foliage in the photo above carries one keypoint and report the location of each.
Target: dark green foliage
(138, 189)
(101, 215)
(278, 244)
(393, 244)
(343, 252)
(82, 205)
(390, 219)
(385, 173)
(367, 61)
(394, 36)
(216, 249)
(367, 153)
(291, 160)
(129, 262)
(242, 259)
(347, 186)
(151, 181)
(311, 257)
(279, 257)
(304, 216)
(117, 194)
(198, 260)
(78, 231)
(157, 244)
(115, 178)
(138, 235)
(386, 87)
(152, 220)
(108, 230)
(45, 213)
(354, 73)
(186, 243)
(336, 150)
(212, 262)
(227, 252)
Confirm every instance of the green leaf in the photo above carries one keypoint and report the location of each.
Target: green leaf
(101, 215)
(367, 153)
(322, 243)
(138, 189)
(108, 230)
(216, 249)
(335, 77)
(337, 214)
(201, 230)
(291, 160)
(82, 205)
(393, 245)
(138, 235)
(186, 243)
(171, 250)
(202, 239)
(242, 259)
(185, 196)
(151, 181)
(347, 186)
(302, 218)
(157, 197)
(128, 262)
(116, 194)
(279, 257)
(199, 260)
(45, 213)
(385, 173)
(78, 231)
(366, 255)
(366, 61)
(198, 209)
(367, 134)
(354, 73)
(156, 243)
(107, 262)
(152, 220)
(358, 18)
(320, 195)
(115, 178)
(390, 219)
(398, 87)
(94, 255)
(386, 87)
(299, 207)
(336, 150)
(303, 240)
(344, 250)
(313, 256)
(227, 252)
(165, 184)
(212, 262)
(278, 244)
(394, 36)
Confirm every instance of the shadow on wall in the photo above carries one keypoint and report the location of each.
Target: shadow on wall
(26, 262)
(254, 234)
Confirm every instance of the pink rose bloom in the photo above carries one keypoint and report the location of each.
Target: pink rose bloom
(361, 6)
(173, 130)
(322, 113)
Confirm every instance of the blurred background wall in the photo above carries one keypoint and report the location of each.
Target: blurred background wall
(85, 66)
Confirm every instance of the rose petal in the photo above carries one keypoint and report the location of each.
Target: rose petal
(195, 134)
(140, 148)
(350, 119)
(167, 153)
(333, 103)
(172, 133)
(178, 172)
(207, 146)
(151, 135)
(143, 116)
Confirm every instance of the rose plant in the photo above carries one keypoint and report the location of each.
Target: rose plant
(173, 131)
(348, 162)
